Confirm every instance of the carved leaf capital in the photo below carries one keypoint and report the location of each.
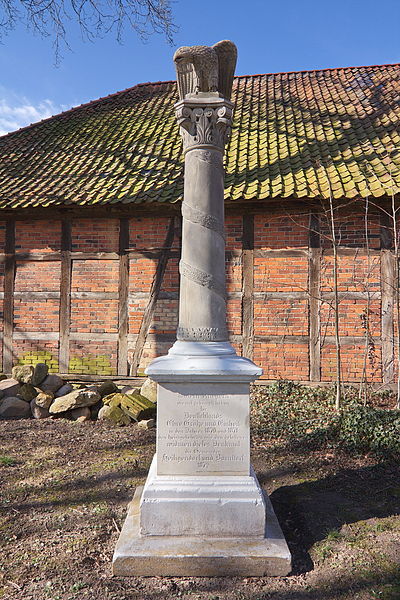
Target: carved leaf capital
(204, 124)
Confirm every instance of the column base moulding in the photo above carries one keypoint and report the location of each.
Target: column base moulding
(181, 556)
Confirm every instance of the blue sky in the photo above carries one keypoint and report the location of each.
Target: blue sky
(271, 37)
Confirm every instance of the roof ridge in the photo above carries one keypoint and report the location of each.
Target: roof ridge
(151, 83)
(318, 70)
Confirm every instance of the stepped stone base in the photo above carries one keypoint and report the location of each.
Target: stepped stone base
(200, 556)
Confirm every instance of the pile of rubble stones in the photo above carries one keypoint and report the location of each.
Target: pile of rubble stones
(33, 392)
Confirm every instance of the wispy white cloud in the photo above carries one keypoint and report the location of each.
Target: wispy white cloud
(17, 111)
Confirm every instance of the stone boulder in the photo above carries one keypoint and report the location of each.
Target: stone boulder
(137, 407)
(39, 412)
(149, 390)
(81, 414)
(23, 373)
(147, 424)
(64, 390)
(106, 388)
(52, 383)
(114, 414)
(75, 399)
(14, 408)
(128, 389)
(9, 387)
(40, 373)
(44, 399)
(27, 392)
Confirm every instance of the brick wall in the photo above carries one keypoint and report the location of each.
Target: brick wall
(80, 266)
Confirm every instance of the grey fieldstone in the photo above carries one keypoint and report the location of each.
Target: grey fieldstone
(44, 399)
(27, 392)
(74, 399)
(39, 412)
(149, 424)
(81, 414)
(52, 383)
(9, 387)
(114, 414)
(128, 389)
(23, 373)
(64, 390)
(40, 373)
(14, 408)
(104, 413)
(106, 388)
(149, 390)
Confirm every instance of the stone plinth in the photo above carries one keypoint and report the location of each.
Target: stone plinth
(201, 556)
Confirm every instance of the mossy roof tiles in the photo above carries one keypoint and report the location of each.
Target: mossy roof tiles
(295, 135)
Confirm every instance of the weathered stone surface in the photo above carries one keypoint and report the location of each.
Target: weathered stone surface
(23, 373)
(81, 414)
(9, 387)
(74, 399)
(149, 390)
(114, 414)
(52, 383)
(39, 412)
(106, 388)
(181, 556)
(2, 376)
(104, 413)
(14, 408)
(64, 390)
(44, 399)
(27, 392)
(128, 389)
(40, 373)
(147, 424)
(137, 407)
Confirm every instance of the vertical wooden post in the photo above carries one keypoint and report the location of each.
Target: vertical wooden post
(314, 281)
(65, 295)
(154, 291)
(9, 282)
(388, 296)
(123, 285)
(248, 286)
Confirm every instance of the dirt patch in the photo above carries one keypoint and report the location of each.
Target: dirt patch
(65, 487)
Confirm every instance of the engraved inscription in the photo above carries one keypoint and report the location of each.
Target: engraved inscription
(202, 434)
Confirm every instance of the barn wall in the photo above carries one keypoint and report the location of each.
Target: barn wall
(100, 295)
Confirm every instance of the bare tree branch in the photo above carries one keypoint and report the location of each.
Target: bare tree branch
(96, 18)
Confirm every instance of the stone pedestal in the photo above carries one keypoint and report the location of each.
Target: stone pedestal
(202, 511)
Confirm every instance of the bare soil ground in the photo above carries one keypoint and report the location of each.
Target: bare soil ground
(65, 487)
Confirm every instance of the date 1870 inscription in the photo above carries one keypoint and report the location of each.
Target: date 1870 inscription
(202, 434)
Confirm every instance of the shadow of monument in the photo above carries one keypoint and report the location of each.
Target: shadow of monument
(308, 511)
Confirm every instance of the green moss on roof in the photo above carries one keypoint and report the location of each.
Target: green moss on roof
(299, 135)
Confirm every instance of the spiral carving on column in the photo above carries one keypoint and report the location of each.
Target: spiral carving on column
(194, 215)
(202, 278)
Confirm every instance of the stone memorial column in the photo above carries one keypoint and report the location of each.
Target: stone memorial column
(202, 511)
